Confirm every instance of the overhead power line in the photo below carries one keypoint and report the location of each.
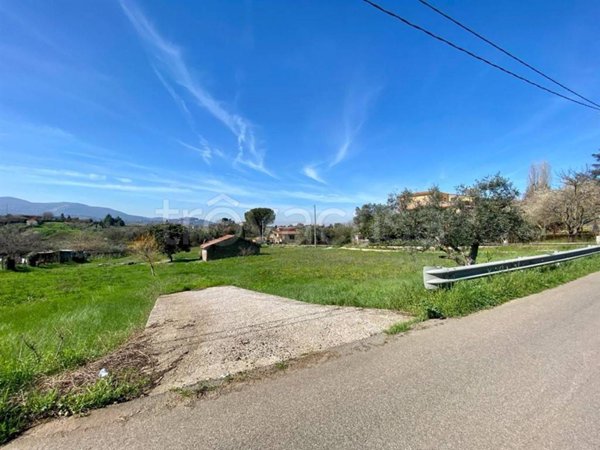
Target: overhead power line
(473, 55)
(506, 52)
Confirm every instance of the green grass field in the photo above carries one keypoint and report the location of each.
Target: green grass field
(56, 318)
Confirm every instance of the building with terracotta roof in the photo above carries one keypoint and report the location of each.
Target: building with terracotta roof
(284, 235)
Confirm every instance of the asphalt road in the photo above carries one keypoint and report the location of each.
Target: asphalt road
(523, 375)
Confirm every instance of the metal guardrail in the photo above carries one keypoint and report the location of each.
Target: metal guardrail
(434, 277)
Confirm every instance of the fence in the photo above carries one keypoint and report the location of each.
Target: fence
(434, 277)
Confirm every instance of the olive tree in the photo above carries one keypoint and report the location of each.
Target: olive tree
(486, 211)
(171, 238)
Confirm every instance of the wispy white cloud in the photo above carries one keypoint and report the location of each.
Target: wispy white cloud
(70, 174)
(30, 26)
(206, 151)
(168, 57)
(354, 116)
(10, 128)
(79, 163)
(326, 197)
(64, 177)
(342, 150)
(312, 173)
(117, 187)
(176, 97)
(145, 181)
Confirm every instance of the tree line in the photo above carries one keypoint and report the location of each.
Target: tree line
(571, 206)
(486, 211)
(490, 210)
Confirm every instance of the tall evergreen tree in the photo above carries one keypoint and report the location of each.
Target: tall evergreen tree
(259, 219)
(596, 166)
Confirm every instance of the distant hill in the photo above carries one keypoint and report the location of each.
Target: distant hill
(12, 205)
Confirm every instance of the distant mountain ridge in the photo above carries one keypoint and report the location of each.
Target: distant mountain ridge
(15, 206)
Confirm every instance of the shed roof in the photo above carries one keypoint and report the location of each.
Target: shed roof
(217, 241)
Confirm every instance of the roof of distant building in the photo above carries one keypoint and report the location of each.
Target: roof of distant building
(217, 241)
(286, 230)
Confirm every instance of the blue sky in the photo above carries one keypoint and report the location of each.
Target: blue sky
(239, 104)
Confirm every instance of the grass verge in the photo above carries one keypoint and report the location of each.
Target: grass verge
(403, 327)
(18, 413)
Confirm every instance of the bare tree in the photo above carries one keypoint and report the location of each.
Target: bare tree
(541, 211)
(147, 249)
(539, 179)
(84, 241)
(578, 201)
(16, 243)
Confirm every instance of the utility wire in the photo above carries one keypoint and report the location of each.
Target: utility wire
(506, 52)
(480, 58)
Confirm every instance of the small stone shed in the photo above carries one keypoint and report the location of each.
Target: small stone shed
(56, 257)
(228, 246)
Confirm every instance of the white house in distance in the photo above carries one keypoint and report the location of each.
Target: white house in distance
(284, 235)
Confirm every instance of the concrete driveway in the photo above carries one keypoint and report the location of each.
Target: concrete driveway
(220, 331)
